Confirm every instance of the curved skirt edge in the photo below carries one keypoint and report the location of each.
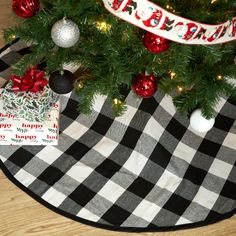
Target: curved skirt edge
(111, 227)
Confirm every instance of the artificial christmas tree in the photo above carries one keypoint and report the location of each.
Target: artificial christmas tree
(113, 49)
(150, 169)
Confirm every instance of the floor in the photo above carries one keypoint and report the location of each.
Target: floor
(21, 215)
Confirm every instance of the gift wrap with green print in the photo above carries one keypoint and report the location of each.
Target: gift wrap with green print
(33, 107)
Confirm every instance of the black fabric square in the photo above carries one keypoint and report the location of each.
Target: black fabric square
(4, 48)
(24, 51)
(102, 124)
(71, 109)
(195, 175)
(151, 226)
(213, 216)
(149, 105)
(232, 101)
(108, 168)
(82, 195)
(160, 156)
(224, 123)
(51, 175)
(42, 65)
(77, 150)
(140, 120)
(116, 215)
(209, 148)
(131, 137)
(21, 157)
(229, 190)
(176, 129)
(3, 65)
(177, 204)
(124, 90)
(140, 187)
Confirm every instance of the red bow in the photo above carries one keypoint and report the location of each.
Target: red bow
(32, 81)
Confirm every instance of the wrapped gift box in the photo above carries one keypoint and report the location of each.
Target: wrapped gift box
(18, 131)
(28, 105)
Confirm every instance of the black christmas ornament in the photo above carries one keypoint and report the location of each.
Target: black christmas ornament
(61, 82)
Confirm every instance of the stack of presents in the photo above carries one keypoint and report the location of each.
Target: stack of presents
(29, 111)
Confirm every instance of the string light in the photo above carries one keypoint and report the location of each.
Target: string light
(125, 36)
(103, 26)
(158, 60)
(170, 8)
(79, 84)
(172, 74)
(117, 102)
(219, 77)
(180, 89)
(12, 37)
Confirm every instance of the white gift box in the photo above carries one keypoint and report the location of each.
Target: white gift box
(18, 131)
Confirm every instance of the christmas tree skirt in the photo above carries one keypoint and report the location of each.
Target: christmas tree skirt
(144, 171)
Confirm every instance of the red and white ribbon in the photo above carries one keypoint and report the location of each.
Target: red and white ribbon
(150, 17)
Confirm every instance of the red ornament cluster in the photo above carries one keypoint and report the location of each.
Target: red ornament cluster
(144, 85)
(155, 44)
(32, 81)
(25, 8)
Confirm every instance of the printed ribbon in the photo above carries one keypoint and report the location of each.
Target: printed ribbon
(32, 81)
(150, 17)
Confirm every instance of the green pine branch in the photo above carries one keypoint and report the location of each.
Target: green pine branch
(115, 56)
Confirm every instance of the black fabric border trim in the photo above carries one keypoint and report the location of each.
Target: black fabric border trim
(108, 227)
(8, 45)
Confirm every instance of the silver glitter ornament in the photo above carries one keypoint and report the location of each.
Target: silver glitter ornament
(65, 33)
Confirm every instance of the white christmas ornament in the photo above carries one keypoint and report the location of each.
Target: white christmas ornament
(200, 123)
(65, 33)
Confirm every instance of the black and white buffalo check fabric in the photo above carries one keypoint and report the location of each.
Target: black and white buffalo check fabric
(144, 171)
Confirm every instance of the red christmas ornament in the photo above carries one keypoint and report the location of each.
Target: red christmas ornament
(154, 43)
(144, 85)
(25, 8)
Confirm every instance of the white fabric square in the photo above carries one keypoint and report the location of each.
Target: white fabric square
(220, 104)
(88, 215)
(76, 130)
(146, 210)
(183, 221)
(2, 158)
(154, 129)
(127, 116)
(49, 154)
(169, 181)
(111, 191)
(205, 197)
(184, 152)
(5, 52)
(220, 169)
(64, 98)
(200, 134)
(167, 102)
(230, 141)
(98, 102)
(135, 163)
(105, 146)
(24, 177)
(79, 172)
(54, 197)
